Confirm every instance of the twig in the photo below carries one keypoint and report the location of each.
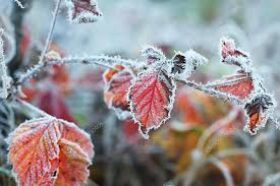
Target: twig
(50, 33)
(102, 60)
(33, 108)
(41, 64)
(19, 4)
(6, 80)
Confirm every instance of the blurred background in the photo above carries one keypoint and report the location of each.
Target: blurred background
(189, 149)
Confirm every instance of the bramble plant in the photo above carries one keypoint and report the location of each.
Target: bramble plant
(47, 150)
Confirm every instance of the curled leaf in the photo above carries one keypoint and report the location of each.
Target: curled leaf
(117, 86)
(233, 56)
(184, 64)
(258, 110)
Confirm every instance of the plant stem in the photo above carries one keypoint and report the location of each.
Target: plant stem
(33, 108)
(102, 60)
(41, 62)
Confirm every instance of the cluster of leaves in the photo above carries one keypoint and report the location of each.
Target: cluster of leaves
(146, 93)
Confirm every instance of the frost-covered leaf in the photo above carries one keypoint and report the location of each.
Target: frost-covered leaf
(258, 110)
(83, 11)
(186, 63)
(116, 89)
(48, 151)
(76, 152)
(152, 96)
(240, 85)
(152, 54)
(34, 152)
(232, 55)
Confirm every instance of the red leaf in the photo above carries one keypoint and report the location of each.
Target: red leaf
(152, 97)
(83, 11)
(240, 85)
(257, 111)
(34, 152)
(115, 93)
(53, 103)
(46, 151)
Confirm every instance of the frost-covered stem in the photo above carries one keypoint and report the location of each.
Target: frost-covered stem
(6, 80)
(41, 64)
(211, 91)
(102, 60)
(19, 3)
(33, 108)
(224, 169)
(50, 33)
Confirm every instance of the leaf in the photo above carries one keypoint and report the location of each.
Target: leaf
(48, 151)
(240, 85)
(152, 97)
(76, 152)
(117, 84)
(233, 56)
(186, 63)
(257, 111)
(152, 54)
(34, 151)
(83, 11)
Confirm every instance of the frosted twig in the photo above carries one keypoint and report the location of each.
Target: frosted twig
(33, 108)
(6, 80)
(211, 91)
(50, 33)
(102, 60)
(41, 64)
(19, 4)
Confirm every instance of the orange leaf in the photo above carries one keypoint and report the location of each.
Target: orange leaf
(115, 94)
(46, 151)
